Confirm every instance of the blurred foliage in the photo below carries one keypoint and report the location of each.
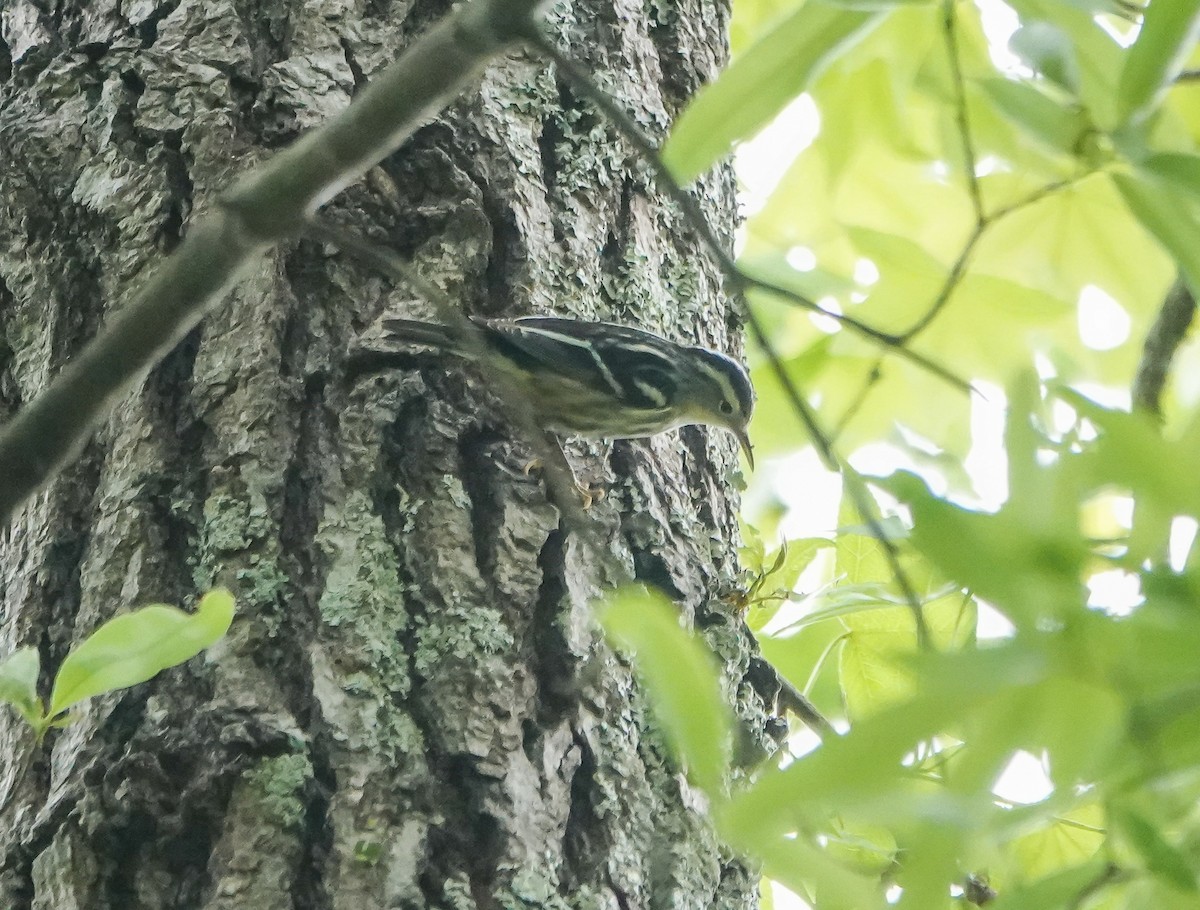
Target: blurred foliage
(973, 191)
(122, 652)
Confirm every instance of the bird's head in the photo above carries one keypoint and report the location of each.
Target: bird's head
(719, 393)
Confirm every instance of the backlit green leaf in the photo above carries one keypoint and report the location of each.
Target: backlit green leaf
(1058, 124)
(134, 647)
(1159, 855)
(1165, 215)
(759, 84)
(1048, 52)
(1169, 30)
(681, 678)
(1180, 170)
(1063, 844)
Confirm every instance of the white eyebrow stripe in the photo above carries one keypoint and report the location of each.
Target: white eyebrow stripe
(727, 389)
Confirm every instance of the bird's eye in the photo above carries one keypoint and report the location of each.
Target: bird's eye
(726, 408)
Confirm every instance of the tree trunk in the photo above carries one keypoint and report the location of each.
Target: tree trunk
(413, 706)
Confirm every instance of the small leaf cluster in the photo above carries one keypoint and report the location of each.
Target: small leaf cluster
(122, 652)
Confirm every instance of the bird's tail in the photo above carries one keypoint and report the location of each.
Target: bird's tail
(412, 331)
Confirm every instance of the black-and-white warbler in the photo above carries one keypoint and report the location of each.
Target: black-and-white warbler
(603, 380)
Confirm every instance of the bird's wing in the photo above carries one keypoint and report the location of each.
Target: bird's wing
(412, 331)
(631, 363)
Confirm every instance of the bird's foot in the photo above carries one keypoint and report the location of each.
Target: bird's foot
(588, 494)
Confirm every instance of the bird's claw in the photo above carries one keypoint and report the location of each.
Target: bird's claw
(589, 495)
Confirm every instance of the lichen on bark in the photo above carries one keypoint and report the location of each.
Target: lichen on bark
(414, 706)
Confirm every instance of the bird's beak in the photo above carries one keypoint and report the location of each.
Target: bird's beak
(743, 438)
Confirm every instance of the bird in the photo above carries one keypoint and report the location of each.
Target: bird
(599, 379)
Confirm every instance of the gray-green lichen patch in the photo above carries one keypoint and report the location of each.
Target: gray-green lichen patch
(261, 843)
(362, 583)
(279, 784)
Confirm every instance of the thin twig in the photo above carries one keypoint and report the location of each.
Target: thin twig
(1162, 341)
(960, 110)
(959, 267)
(896, 343)
(874, 375)
(983, 219)
(854, 485)
(953, 277)
(1037, 195)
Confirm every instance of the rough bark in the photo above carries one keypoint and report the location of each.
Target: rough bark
(413, 707)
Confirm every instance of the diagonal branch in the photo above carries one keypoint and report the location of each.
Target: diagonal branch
(266, 206)
(970, 159)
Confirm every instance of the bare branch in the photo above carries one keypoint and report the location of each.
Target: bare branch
(953, 277)
(792, 699)
(267, 205)
(960, 110)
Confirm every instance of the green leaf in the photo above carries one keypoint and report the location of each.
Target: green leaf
(1028, 566)
(1089, 58)
(772, 584)
(790, 561)
(18, 683)
(1062, 889)
(877, 665)
(824, 880)
(1159, 855)
(1049, 53)
(681, 678)
(753, 18)
(1063, 844)
(1133, 454)
(1169, 30)
(859, 774)
(1162, 213)
(1057, 123)
(1077, 237)
(134, 647)
(1178, 169)
(760, 83)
